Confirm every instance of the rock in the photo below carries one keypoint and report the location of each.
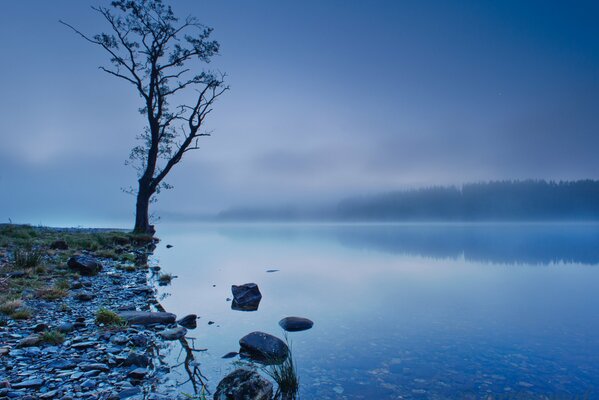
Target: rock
(137, 359)
(263, 348)
(84, 296)
(230, 354)
(189, 321)
(59, 245)
(169, 246)
(296, 324)
(246, 297)
(28, 384)
(83, 345)
(94, 367)
(138, 373)
(125, 394)
(31, 340)
(119, 339)
(138, 340)
(173, 334)
(76, 285)
(272, 270)
(148, 318)
(243, 384)
(85, 265)
(61, 364)
(65, 327)
(40, 328)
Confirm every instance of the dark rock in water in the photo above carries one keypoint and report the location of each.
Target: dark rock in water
(210, 322)
(264, 348)
(243, 384)
(148, 318)
(59, 245)
(168, 246)
(173, 334)
(272, 270)
(84, 296)
(189, 321)
(85, 265)
(246, 297)
(230, 354)
(296, 324)
(28, 384)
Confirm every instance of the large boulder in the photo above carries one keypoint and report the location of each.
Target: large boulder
(243, 384)
(246, 297)
(296, 324)
(148, 318)
(264, 348)
(84, 265)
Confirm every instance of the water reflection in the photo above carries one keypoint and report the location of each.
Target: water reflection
(494, 243)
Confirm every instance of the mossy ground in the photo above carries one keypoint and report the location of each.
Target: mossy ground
(29, 266)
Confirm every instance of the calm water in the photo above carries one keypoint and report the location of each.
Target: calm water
(400, 311)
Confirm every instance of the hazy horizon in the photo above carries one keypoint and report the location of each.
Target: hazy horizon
(328, 100)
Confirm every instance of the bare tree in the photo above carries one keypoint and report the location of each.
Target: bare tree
(155, 52)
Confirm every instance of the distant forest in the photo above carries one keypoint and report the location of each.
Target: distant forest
(530, 200)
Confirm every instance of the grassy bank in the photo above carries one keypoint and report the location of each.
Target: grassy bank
(33, 261)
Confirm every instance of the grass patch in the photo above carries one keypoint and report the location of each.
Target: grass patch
(10, 306)
(109, 318)
(26, 259)
(165, 279)
(51, 293)
(285, 375)
(21, 314)
(52, 337)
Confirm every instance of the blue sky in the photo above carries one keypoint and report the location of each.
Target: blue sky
(327, 99)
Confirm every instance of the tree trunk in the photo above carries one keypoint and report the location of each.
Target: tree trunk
(142, 207)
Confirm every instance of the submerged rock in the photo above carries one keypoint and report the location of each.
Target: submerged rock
(243, 384)
(264, 348)
(85, 265)
(246, 297)
(173, 334)
(296, 324)
(147, 318)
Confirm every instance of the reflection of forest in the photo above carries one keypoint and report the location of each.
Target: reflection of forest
(499, 243)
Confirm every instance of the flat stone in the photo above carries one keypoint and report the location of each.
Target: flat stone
(174, 333)
(296, 324)
(31, 340)
(138, 373)
(148, 318)
(94, 367)
(28, 384)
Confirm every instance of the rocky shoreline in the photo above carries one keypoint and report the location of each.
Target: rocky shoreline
(64, 349)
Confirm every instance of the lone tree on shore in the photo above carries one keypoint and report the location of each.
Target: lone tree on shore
(155, 52)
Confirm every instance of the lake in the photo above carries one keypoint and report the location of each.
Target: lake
(406, 311)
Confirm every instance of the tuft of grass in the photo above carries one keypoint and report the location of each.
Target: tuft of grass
(52, 337)
(107, 254)
(10, 306)
(109, 318)
(21, 314)
(165, 279)
(285, 375)
(62, 284)
(26, 259)
(51, 293)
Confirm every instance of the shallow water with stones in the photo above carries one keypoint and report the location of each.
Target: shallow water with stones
(407, 311)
